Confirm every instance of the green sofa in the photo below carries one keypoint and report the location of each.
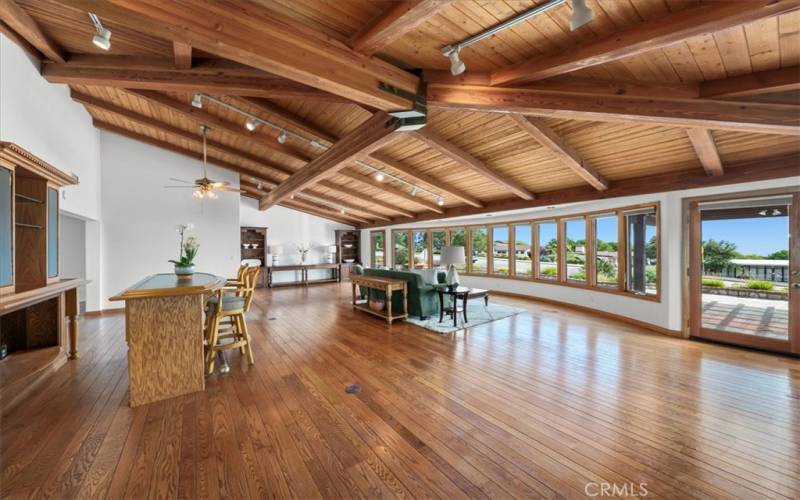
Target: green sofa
(423, 299)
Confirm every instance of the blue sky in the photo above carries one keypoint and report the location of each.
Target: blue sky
(760, 236)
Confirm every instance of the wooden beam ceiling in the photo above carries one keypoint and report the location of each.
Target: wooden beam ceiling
(721, 115)
(465, 159)
(644, 37)
(183, 55)
(252, 35)
(366, 138)
(385, 187)
(397, 19)
(762, 169)
(538, 129)
(294, 122)
(418, 176)
(759, 83)
(706, 149)
(28, 29)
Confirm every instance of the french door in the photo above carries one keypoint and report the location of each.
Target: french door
(744, 270)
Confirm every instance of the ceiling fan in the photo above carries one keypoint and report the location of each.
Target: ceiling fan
(205, 187)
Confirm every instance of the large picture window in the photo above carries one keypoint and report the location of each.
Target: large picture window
(378, 248)
(612, 251)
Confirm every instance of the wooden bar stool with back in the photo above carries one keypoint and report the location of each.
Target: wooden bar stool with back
(228, 321)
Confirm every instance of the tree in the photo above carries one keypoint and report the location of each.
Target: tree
(717, 254)
(650, 250)
(779, 255)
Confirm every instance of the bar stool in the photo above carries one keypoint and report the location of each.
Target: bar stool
(228, 321)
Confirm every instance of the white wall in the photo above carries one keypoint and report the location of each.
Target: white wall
(140, 215)
(72, 250)
(665, 314)
(287, 228)
(41, 117)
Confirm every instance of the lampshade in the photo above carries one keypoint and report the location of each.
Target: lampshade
(453, 255)
(274, 250)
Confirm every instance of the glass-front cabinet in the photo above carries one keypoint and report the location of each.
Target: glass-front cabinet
(6, 228)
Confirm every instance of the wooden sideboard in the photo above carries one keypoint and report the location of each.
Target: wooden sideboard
(303, 270)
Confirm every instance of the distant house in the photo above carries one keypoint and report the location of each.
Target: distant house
(501, 249)
(757, 269)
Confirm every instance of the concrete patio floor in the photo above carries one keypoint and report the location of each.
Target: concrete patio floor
(760, 317)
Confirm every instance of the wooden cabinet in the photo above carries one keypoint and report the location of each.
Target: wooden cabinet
(253, 245)
(6, 228)
(348, 251)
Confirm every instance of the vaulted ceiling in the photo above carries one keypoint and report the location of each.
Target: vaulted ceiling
(651, 95)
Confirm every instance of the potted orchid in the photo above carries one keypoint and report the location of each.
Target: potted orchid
(303, 251)
(184, 266)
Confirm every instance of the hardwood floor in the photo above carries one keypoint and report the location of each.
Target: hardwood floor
(549, 403)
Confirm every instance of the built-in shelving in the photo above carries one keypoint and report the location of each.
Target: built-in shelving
(31, 199)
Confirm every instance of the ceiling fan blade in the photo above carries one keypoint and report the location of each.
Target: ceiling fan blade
(180, 180)
(218, 184)
(230, 189)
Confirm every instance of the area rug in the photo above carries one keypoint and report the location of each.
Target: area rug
(477, 314)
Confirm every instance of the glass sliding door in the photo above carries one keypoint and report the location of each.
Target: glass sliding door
(606, 250)
(420, 239)
(479, 247)
(400, 261)
(547, 243)
(501, 250)
(523, 250)
(438, 242)
(744, 273)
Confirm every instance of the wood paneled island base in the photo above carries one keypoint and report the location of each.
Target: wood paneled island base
(164, 332)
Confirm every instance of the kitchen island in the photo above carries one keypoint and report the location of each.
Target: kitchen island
(164, 332)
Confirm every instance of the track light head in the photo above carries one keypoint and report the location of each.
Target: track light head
(439, 201)
(581, 14)
(379, 176)
(103, 37)
(251, 125)
(413, 190)
(197, 101)
(342, 211)
(258, 186)
(282, 138)
(457, 66)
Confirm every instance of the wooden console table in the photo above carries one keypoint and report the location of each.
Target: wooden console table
(388, 285)
(303, 268)
(164, 332)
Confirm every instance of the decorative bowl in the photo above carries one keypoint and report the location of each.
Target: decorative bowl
(254, 245)
(349, 261)
(377, 304)
(246, 245)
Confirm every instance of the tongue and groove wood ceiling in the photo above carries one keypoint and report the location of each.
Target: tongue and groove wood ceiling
(651, 95)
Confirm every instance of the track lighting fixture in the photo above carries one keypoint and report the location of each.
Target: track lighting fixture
(291, 197)
(413, 190)
(776, 212)
(197, 101)
(282, 138)
(342, 211)
(440, 201)
(457, 66)
(258, 186)
(379, 176)
(251, 125)
(763, 213)
(581, 14)
(103, 37)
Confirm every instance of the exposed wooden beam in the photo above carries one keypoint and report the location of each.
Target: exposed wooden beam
(549, 139)
(397, 19)
(706, 149)
(418, 176)
(201, 116)
(21, 42)
(643, 37)
(183, 55)
(723, 115)
(182, 80)
(366, 138)
(294, 121)
(762, 82)
(263, 174)
(253, 35)
(400, 193)
(252, 191)
(465, 159)
(27, 28)
(756, 170)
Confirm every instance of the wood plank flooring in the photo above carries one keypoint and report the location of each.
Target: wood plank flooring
(549, 403)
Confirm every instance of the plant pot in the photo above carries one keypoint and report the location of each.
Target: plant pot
(184, 271)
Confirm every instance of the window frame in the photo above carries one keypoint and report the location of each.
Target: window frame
(372, 235)
(560, 222)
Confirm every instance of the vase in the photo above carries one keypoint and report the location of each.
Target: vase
(452, 277)
(184, 271)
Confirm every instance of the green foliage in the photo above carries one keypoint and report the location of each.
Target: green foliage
(606, 246)
(758, 285)
(550, 272)
(606, 278)
(188, 252)
(717, 254)
(779, 255)
(713, 283)
(650, 274)
(578, 276)
(458, 238)
(605, 267)
(650, 250)
(501, 270)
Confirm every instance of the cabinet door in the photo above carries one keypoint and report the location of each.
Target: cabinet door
(6, 228)
(52, 232)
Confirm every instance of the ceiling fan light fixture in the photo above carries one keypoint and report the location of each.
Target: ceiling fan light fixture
(282, 138)
(251, 125)
(198, 194)
(581, 14)
(197, 101)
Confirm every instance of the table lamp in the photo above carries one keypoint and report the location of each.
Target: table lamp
(452, 256)
(275, 251)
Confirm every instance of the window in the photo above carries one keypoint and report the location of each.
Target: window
(606, 255)
(501, 250)
(420, 249)
(479, 247)
(458, 238)
(400, 261)
(548, 250)
(642, 251)
(575, 249)
(378, 246)
(523, 250)
(438, 242)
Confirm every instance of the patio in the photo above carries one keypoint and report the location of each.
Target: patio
(761, 317)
